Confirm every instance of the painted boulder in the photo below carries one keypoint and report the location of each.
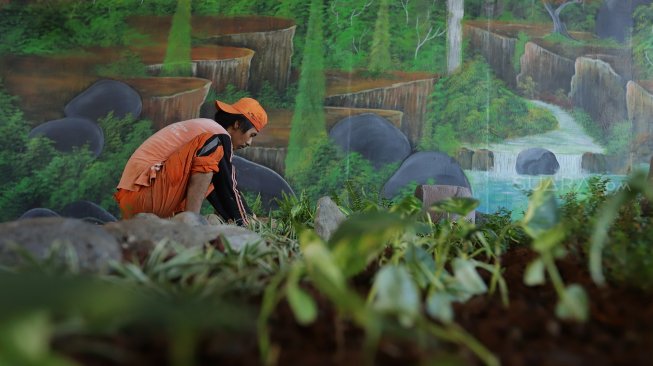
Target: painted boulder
(374, 137)
(70, 133)
(38, 212)
(258, 179)
(426, 167)
(88, 211)
(537, 161)
(103, 97)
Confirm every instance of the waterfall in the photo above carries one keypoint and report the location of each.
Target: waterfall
(505, 165)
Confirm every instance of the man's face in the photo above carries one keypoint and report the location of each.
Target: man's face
(242, 139)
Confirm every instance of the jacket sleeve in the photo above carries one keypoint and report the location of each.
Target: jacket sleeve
(225, 197)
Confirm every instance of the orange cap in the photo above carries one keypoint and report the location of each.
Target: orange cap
(249, 108)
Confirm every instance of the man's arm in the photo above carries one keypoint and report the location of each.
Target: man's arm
(197, 187)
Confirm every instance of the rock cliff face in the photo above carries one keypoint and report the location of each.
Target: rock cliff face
(548, 70)
(170, 100)
(271, 157)
(272, 58)
(640, 112)
(497, 50)
(411, 98)
(600, 91)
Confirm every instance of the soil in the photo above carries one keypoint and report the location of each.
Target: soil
(527, 332)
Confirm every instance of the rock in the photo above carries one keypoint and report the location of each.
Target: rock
(38, 212)
(87, 210)
(618, 164)
(141, 234)
(615, 18)
(105, 96)
(483, 159)
(258, 179)
(639, 100)
(431, 194)
(594, 163)
(536, 161)
(71, 133)
(464, 157)
(426, 167)
(549, 71)
(327, 218)
(374, 137)
(214, 219)
(190, 218)
(95, 248)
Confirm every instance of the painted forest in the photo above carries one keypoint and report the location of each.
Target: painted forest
(462, 182)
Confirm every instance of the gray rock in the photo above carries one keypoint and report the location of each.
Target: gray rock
(71, 133)
(327, 217)
(141, 234)
(95, 248)
(483, 160)
(464, 157)
(88, 211)
(372, 136)
(615, 18)
(190, 218)
(105, 96)
(426, 167)
(537, 161)
(261, 180)
(38, 212)
(594, 163)
(431, 194)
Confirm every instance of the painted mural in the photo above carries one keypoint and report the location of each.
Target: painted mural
(377, 96)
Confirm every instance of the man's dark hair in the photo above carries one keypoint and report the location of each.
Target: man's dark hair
(227, 119)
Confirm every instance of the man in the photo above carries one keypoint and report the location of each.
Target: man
(185, 162)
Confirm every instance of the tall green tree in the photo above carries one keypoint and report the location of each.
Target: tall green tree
(308, 128)
(380, 59)
(177, 60)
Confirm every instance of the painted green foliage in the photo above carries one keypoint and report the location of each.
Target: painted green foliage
(308, 122)
(380, 60)
(177, 59)
(470, 107)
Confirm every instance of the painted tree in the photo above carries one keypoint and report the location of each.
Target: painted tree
(558, 25)
(380, 60)
(308, 126)
(456, 10)
(177, 60)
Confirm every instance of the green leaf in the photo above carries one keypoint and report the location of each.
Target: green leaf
(542, 213)
(549, 240)
(419, 261)
(534, 274)
(438, 305)
(362, 237)
(321, 266)
(397, 294)
(302, 305)
(456, 205)
(574, 305)
(467, 277)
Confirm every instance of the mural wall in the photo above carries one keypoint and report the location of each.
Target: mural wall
(378, 95)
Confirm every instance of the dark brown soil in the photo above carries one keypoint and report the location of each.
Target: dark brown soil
(619, 331)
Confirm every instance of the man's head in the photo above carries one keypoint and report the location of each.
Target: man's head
(243, 120)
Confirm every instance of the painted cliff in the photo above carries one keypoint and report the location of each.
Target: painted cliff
(639, 99)
(550, 71)
(497, 49)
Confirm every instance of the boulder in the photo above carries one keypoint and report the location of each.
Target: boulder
(464, 157)
(537, 161)
(261, 180)
(190, 218)
(33, 213)
(483, 160)
(95, 249)
(71, 133)
(594, 163)
(372, 136)
(88, 211)
(327, 218)
(431, 194)
(140, 234)
(105, 96)
(426, 167)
